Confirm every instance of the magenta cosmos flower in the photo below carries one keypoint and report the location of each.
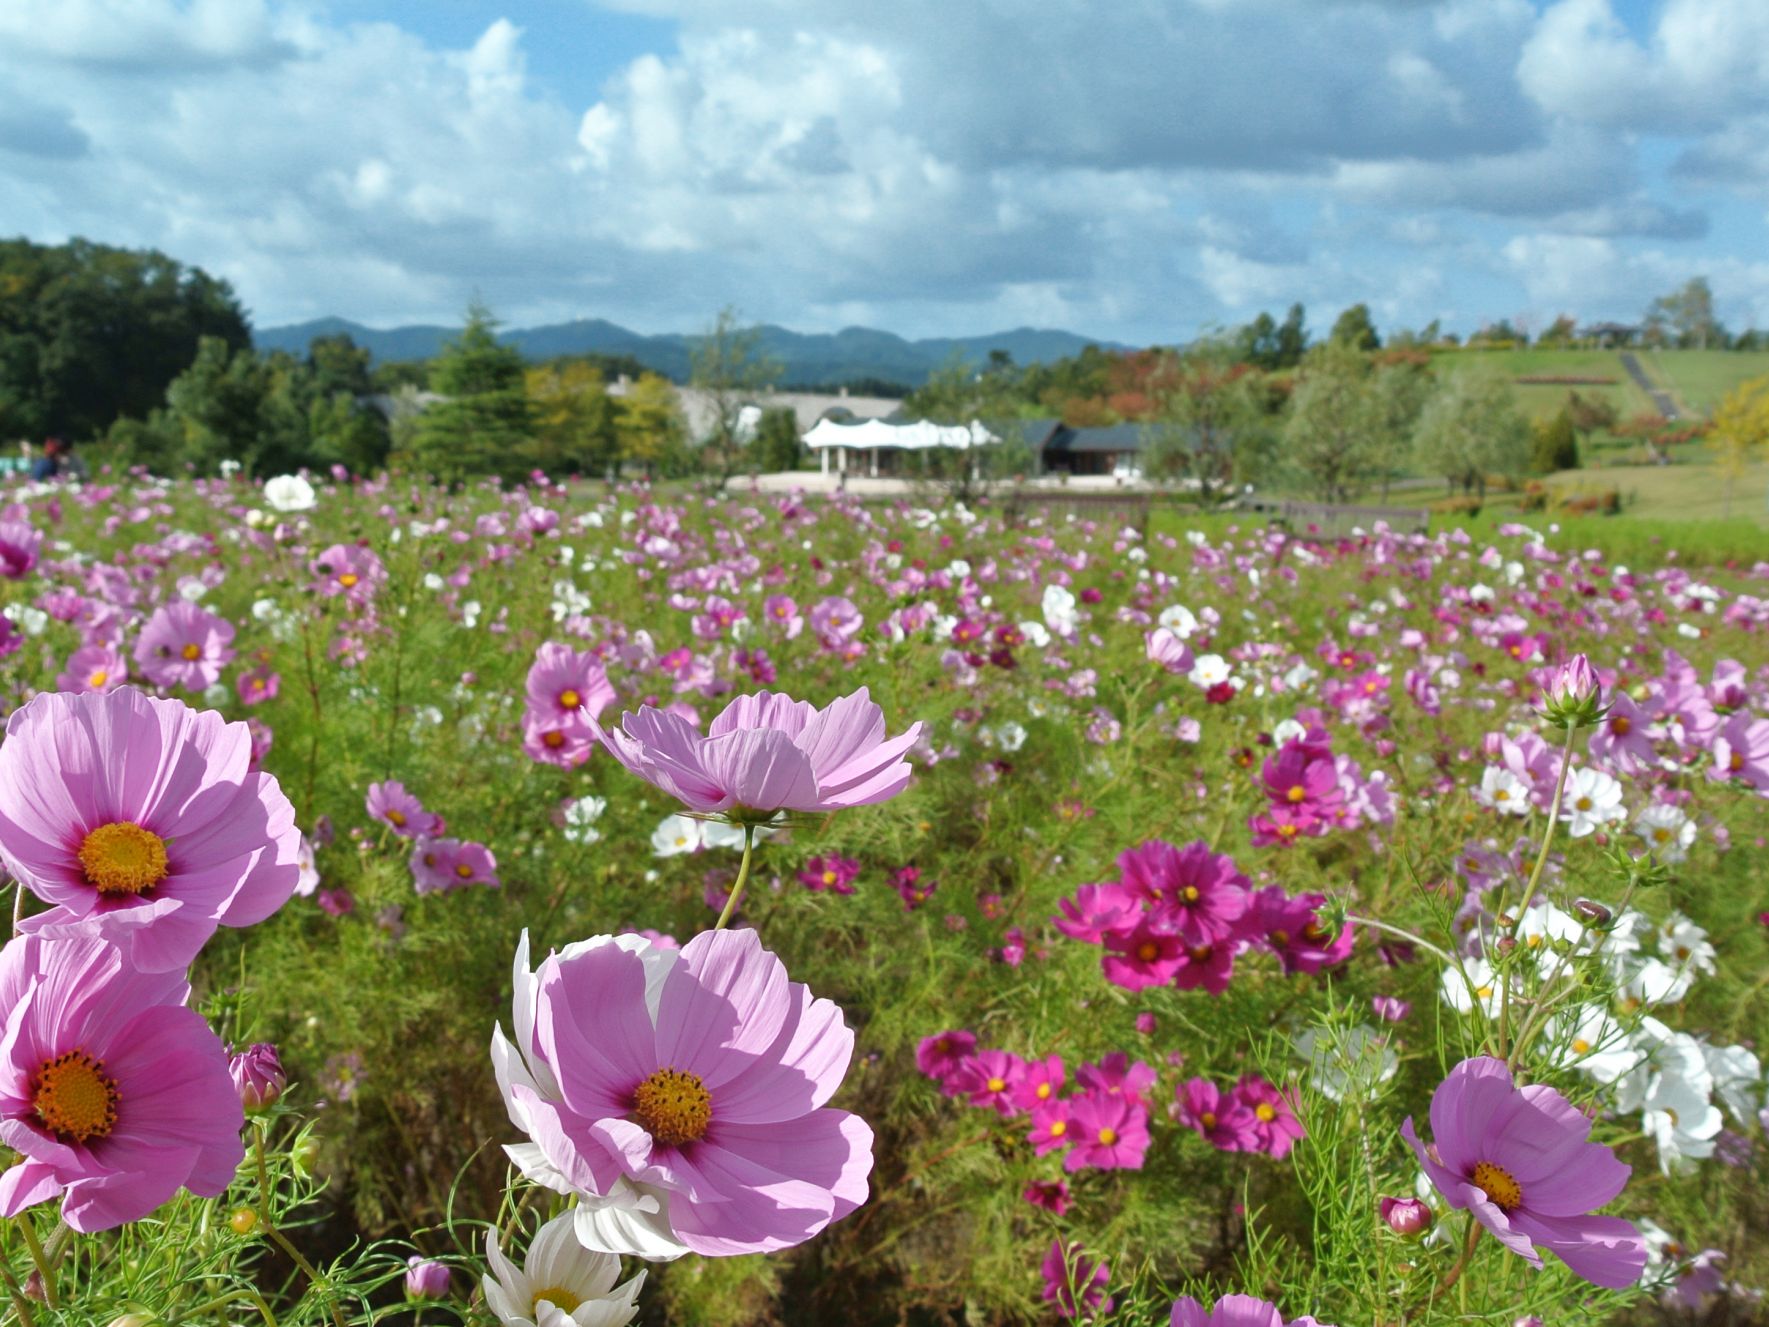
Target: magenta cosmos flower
(349, 571)
(19, 543)
(682, 1095)
(112, 1092)
(402, 812)
(766, 753)
(184, 646)
(1233, 1311)
(140, 818)
(1521, 1160)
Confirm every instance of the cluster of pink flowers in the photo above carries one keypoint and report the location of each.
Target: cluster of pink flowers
(1104, 1125)
(567, 690)
(1251, 1116)
(832, 873)
(1311, 791)
(438, 863)
(1181, 916)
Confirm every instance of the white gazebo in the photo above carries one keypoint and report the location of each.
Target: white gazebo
(875, 435)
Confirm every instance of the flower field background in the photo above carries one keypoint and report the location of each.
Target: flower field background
(1237, 869)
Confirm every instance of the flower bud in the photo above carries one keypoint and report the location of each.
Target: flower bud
(258, 1076)
(243, 1220)
(425, 1279)
(1573, 697)
(1593, 915)
(1406, 1216)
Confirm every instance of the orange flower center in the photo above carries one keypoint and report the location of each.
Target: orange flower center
(192, 652)
(348, 579)
(463, 870)
(553, 740)
(1208, 1119)
(1737, 761)
(100, 677)
(1504, 1192)
(1265, 1112)
(396, 818)
(74, 1098)
(829, 877)
(569, 700)
(123, 858)
(1621, 725)
(674, 1107)
(1148, 951)
(1296, 793)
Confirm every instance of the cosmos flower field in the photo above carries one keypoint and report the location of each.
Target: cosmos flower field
(575, 905)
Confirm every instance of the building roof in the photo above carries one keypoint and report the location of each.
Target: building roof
(699, 409)
(1107, 438)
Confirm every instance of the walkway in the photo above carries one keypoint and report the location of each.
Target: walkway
(1661, 401)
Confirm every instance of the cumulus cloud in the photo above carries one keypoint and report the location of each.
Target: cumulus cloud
(1137, 170)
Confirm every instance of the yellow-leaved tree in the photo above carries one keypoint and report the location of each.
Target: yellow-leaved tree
(1740, 432)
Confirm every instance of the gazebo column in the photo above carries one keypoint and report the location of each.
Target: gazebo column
(823, 459)
(875, 463)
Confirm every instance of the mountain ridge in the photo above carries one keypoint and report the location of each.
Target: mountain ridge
(852, 354)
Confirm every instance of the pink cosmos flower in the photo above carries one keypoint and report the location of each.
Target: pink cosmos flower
(1622, 738)
(565, 684)
(1050, 1127)
(1233, 1311)
(1075, 1283)
(1143, 956)
(401, 812)
(833, 873)
(1040, 1082)
(1275, 1126)
(1741, 751)
(1097, 911)
(113, 1093)
(989, 1078)
(1521, 1161)
(943, 1054)
(1225, 1122)
(766, 753)
(1191, 889)
(349, 571)
(1106, 1132)
(1293, 930)
(682, 1095)
(257, 685)
(444, 864)
(19, 544)
(140, 818)
(1051, 1195)
(1169, 650)
(1117, 1075)
(93, 668)
(561, 740)
(183, 645)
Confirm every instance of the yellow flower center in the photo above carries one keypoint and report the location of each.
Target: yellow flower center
(558, 1297)
(569, 700)
(1501, 796)
(1296, 793)
(1208, 1119)
(996, 1084)
(553, 740)
(463, 870)
(1504, 1192)
(1580, 1046)
(348, 579)
(1148, 951)
(1735, 764)
(1108, 1136)
(1483, 992)
(100, 677)
(192, 652)
(828, 877)
(396, 818)
(1042, 1091)
(123, 858)
(1287, 831)
(1661, 835)
(1189, 893)
(674, 1107)
(1265, 1113)
(74, 1098)
(1060, 1127)
(1583, 804)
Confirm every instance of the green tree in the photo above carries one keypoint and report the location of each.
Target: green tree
(1209, 412)
(1741, 432)
(730, 371)
(482, 426)
(1685, 317)
(90, 333)
(1556, 444)
(574, 419)
(1329, 438)
(1401, 385)
(1472, 428)
(777, 445)
(648, 425)
(1355, 328)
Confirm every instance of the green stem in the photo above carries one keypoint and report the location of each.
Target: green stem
(314, 1279)
(1535, 878)
(1455, 1273)
(20, 1305)
(749, 838)
(45, 1272)
(1408, 936)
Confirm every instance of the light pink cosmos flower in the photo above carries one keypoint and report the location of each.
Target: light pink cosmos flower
(564, 684)
(1233, 1311)
(140, 818)
(93, 668)
(444, 864)
(682, 1095)
(401, 812)
(257, 685)
(1106, 1133)
(183, 645)
(766, 753)
(113, 1093)
(1169, 650)
(349, 570)
(1741, 751)
(1521, 1160)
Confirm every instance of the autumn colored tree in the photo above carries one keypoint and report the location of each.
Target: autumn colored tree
(573, 419)
(1740, 432)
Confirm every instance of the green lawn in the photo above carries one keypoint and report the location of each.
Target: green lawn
(1697, 379)
(1700, 379)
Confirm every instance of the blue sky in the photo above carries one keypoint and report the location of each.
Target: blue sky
(1138, 172)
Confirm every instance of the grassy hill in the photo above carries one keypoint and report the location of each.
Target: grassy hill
(1696, 379)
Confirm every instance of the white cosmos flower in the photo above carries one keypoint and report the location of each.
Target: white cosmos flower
(1667, 831)
(1179, 620)
(1481, 977)
(1738, 1078)
(1592, 799)
(1651, 981)
(1035, 633)
(560, 1284)
(581, 817)
(1682, 943)
(1681, 1119)
(1503, 791)
(678, 834)
(630, 1218)
(1590, 1040)
(1209, 670)
(1059, 610)
(289, 493)
(1348, 1062)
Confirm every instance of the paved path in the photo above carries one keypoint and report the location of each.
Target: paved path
(1661, 401)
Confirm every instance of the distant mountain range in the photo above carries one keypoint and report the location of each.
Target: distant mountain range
(849, 355)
